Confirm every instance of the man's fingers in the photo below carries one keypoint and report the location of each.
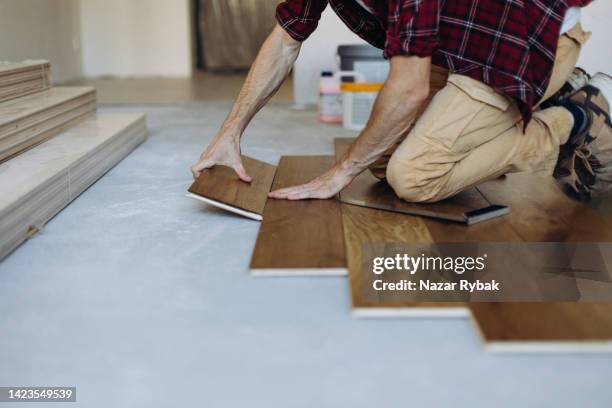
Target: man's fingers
(241, 172)
(197, 168)
(285, 193)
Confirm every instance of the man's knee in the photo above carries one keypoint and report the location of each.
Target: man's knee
(416, 180)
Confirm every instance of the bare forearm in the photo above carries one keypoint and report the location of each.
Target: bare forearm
(393, 113)
(272, 65)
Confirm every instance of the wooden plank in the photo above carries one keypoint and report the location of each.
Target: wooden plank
(367, 226)
(363, 226)
(24, 78)
(300, 237)
(544, 327)
(468, 207)
(542, 213)
(9, 67)
(30, 120)
(221, 187)
(36, 185)
(26, 111)
(32, 136)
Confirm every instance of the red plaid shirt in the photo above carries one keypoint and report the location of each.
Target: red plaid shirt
(507, 44)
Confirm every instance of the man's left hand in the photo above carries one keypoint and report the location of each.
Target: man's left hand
(325, 186)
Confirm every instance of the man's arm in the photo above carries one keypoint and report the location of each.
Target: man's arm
(272, 65)
(394, 111)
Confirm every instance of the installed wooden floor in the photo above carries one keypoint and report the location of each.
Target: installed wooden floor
(368, 226)
(543, 214)
(300, 237)
(221, 187)
(540, 213)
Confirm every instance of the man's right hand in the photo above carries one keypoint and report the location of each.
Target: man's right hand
(225, 151)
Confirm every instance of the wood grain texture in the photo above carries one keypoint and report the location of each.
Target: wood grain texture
(300, 237)
(542, 213)
(363, 226)
(367, 191)
(220, 184)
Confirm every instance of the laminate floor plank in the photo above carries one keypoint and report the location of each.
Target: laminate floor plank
(29, 120)
(24, 78)
(365, 227)
(300, 237)
(220, 186)
(542, 213)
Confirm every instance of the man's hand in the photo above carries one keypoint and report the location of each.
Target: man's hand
(223, 150)
(325, 186)
(272, 65)
(394, 111)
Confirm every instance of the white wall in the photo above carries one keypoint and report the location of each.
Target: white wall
(597, 53)
(318, 54)
(136, 38)
(42, 29)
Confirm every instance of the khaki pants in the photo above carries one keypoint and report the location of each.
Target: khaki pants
(469, 133)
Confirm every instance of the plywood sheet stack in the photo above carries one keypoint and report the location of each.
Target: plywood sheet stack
(23, 78)
(53, 146)
(32, 119)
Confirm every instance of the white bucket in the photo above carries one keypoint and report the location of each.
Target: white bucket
(357, 103)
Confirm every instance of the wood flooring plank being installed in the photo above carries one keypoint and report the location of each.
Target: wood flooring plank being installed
(299, 238)
(37, 184)
(221, 187)
(468, 207)
(367, 226)
(542, 213)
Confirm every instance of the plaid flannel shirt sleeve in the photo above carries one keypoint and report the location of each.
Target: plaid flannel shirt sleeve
(299, 18)
(412, 27)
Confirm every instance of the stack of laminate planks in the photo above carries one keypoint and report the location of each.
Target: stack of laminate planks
(32, 119)
(23, 78)
(53, 146)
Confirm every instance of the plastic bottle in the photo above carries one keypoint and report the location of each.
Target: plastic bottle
(330, 98)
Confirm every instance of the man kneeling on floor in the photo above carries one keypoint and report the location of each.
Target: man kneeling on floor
(461, 104)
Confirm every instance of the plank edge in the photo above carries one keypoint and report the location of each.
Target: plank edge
(226, 207)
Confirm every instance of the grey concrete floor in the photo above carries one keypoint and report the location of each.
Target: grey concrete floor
(140, 297)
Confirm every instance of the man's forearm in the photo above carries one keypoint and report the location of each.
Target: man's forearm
(272, 65)
(394, 112)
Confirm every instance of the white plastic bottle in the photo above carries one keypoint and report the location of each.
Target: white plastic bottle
(330, 98)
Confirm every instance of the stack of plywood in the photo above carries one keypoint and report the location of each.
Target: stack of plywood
(32, 119)
(53, 146)
(37, 184)
(23, 78)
